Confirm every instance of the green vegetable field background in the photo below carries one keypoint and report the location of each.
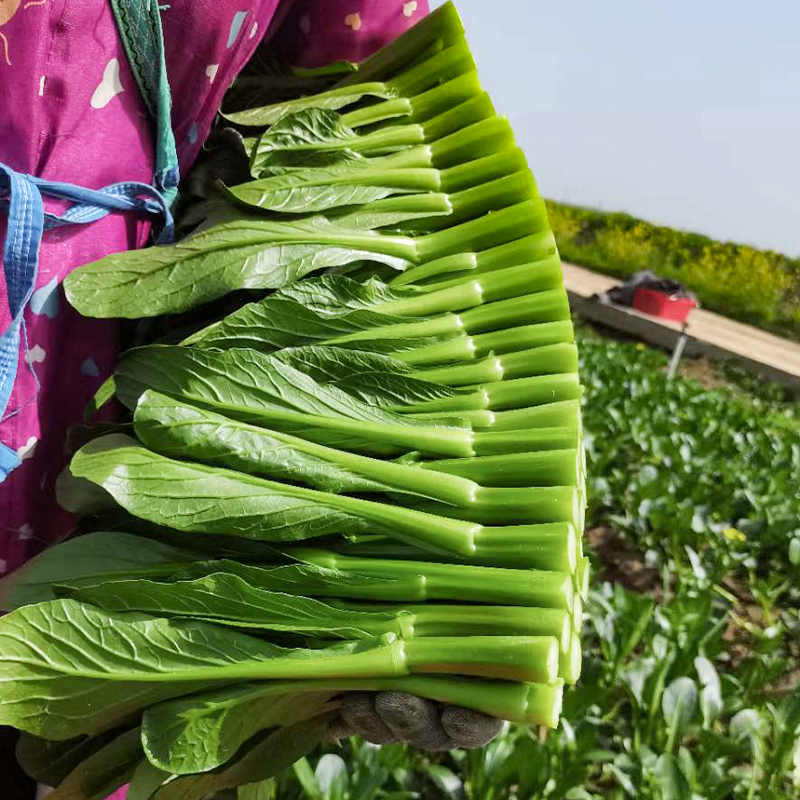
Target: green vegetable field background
(691, 649)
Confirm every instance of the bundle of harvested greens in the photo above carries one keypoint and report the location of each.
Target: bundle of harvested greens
(405, 394)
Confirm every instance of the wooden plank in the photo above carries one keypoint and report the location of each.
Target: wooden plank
(709, 334)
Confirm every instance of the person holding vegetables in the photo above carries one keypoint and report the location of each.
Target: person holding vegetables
(73, 111)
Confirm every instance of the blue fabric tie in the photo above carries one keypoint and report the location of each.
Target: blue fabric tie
(21, 199)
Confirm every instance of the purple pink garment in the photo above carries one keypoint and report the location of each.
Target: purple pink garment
(70, 110)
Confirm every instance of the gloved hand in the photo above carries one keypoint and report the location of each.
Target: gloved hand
(395, 717)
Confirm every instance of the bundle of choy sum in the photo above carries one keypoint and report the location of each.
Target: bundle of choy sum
(369, 477)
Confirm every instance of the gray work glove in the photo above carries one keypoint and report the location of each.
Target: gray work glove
(397, 717)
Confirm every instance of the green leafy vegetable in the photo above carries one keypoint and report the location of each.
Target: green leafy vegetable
(103, 772)
(98, 555)
(413, 408)
(228, 600)
(264, 390)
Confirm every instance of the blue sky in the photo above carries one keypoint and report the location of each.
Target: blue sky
(685, 112)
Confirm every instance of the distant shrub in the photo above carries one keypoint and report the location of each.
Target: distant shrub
(760, 287)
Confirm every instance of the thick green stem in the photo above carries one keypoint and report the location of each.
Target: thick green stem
(525, 256)
(380, 112)
(524, 392)
(569, 667)
(466, 294)
(476, 109)
(525, 703)
(447, 95)
(507, 506)
(509, 394)
(482, 170)
(547, 306)
(514, 658)
(492, 230)
(583, 576)
(576, 614)
(442, 67)
(563, 414)
(479, 200)
(491, 135)
(539, 283)
(550, 468)
(501, 319)
(524, 338)
(420, 107)
(419, 157)
(493, 443)
(436, 619)
(550, 546)
(457, 348)
(460, 582)
(547, 360)
(444, 24)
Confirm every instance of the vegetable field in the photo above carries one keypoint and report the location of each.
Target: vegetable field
(691, 649)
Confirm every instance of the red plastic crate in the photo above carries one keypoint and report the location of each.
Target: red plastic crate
(650, 301)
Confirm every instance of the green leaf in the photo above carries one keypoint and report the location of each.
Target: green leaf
(308, 311)
(264, 757)
(635, 676)
(330, 100)
(54, 655)
(711, 694)
(49, 762)
(101, 397)
(678, 704)
(391, 212)
(794, 551)
(178, 430)
(750, 726)
(263, 390)
(331, 775)
(81, 496)
(146, 781)
(250, 253)
(228, 600)
(98, 555)
(445, 779)
(315, 580)
(280, 162)
(244, 382)
(670, 780)
(320, 189)
(263, 790)
(200, 732)
(305, 129)
(374, 378)
(60, 652)
(204, 499)
(103, 772)
(305, 775)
